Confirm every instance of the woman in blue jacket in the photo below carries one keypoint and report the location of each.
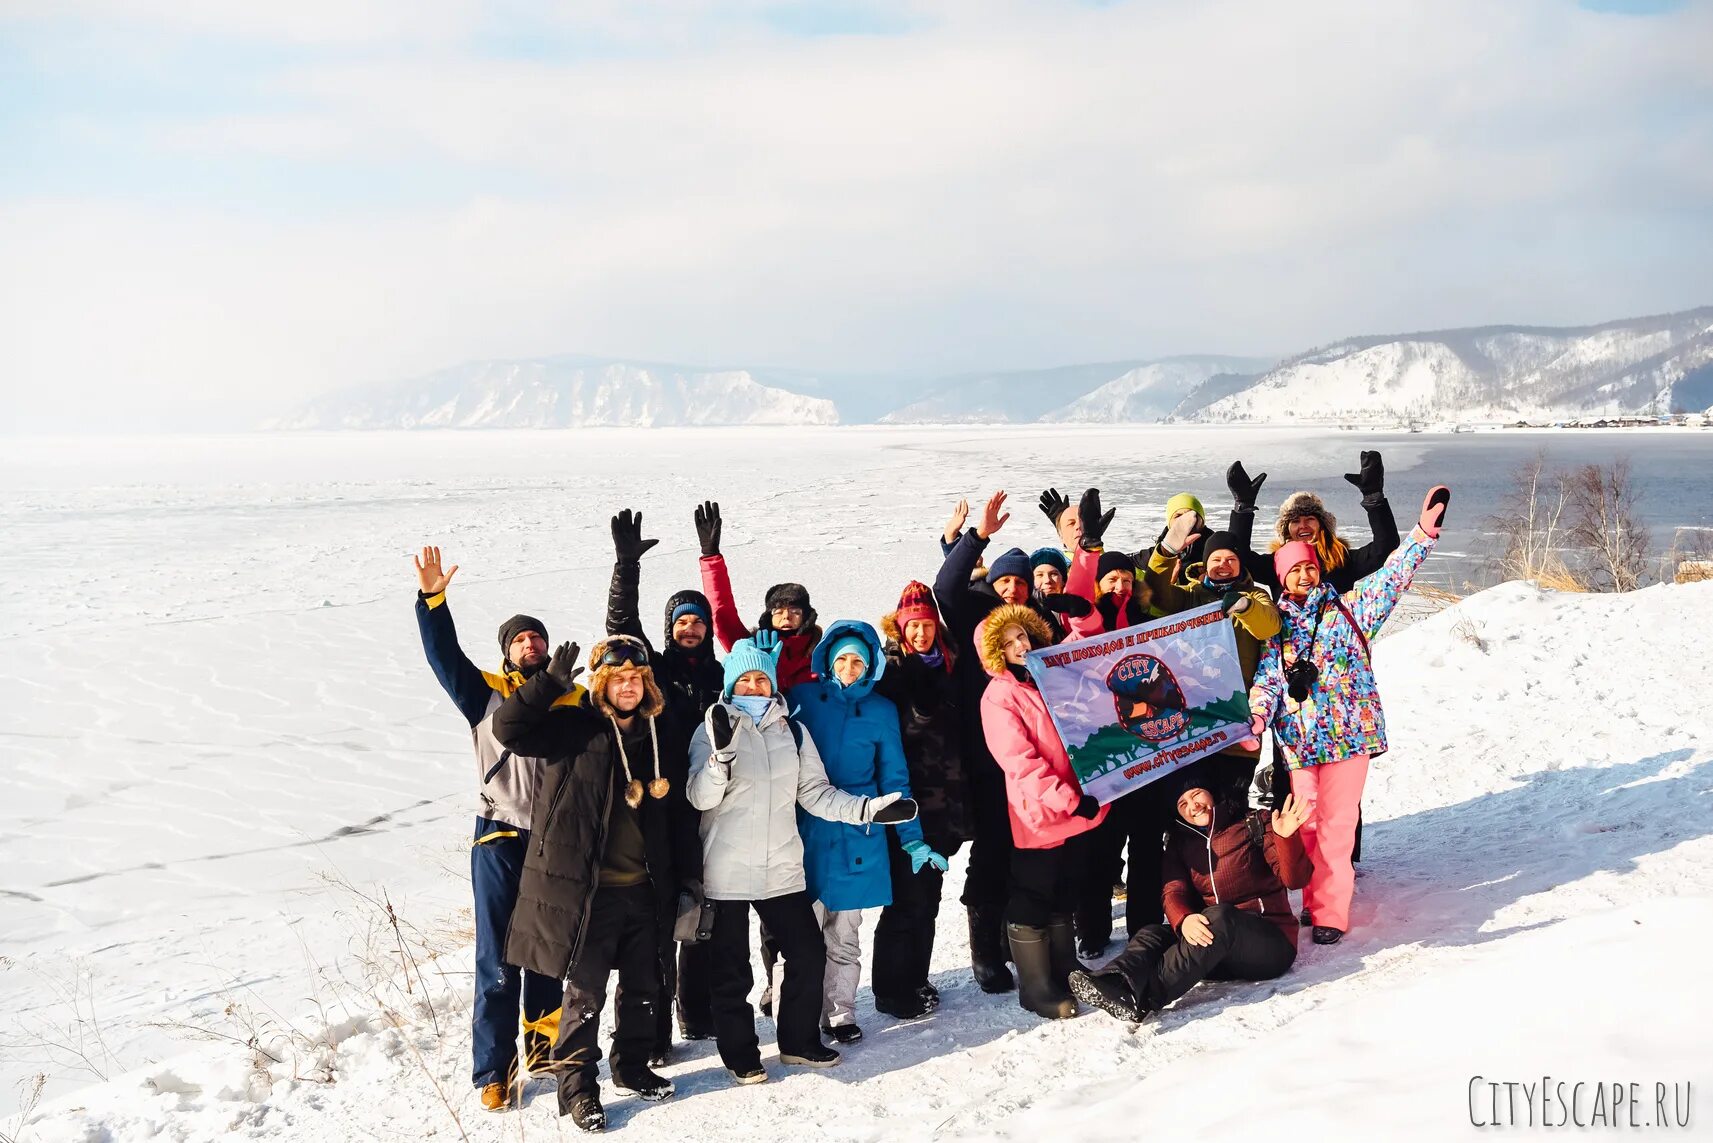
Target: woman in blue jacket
(848, 869)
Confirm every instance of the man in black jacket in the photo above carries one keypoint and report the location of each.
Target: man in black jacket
(612, 843)
(690, 679)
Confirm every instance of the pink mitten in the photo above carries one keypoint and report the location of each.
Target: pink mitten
(1433, 510)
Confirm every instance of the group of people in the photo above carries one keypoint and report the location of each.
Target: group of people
(635, 807)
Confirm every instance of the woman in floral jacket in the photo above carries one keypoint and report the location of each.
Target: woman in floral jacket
(1315, 688)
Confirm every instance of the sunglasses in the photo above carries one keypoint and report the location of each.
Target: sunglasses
(623, 651)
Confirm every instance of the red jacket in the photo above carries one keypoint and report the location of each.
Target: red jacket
(1229, 868)
(794, 649)
(1041, 790)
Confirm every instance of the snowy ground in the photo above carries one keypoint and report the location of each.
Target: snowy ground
(218, 703)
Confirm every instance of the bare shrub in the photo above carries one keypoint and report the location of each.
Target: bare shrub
(1576, 530)
(1533, 525)
(30, 1096)
(1613, 540)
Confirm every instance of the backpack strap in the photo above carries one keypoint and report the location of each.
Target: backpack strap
(1257, 822)
(1361, 636)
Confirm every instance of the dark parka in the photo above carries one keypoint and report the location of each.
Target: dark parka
(582, 782)
(690, 680)
(1224, 865)
(1359, 563)
(930, 719)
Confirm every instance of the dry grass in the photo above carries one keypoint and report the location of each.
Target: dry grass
(30, 1097)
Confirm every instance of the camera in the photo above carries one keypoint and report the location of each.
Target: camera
(1300, 678)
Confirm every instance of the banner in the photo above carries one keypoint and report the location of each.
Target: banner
(1134, 705)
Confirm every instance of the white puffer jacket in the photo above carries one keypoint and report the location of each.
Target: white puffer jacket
(751, 850)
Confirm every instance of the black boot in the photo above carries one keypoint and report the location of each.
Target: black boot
(912, 1006)
(1326, 935)
(1062, 950)
(584, 1108)
(1109, 992)
(1037, 989)
(644, 1083)
(987, 951)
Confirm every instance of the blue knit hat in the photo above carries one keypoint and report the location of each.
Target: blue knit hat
(1011, 562)
(743, 658)
(850, 644)
(1050, 556)
(689, 607)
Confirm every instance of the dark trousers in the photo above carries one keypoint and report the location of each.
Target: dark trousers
(1045, 882)
(1137, 821)
(904, 936)
(695, 1006)
(987, 881)
(1160, 966)
(797, 1008)
(495, 866)
(622, 934)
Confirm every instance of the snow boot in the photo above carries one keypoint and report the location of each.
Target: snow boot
(643, 1083)
(495, 1097)
(1062, 951)
(910, 1007)
(1326, 935)
(987, 956)
(1109, 992)
(930, 994)
(585, 1111)
(1037, 989)
(747, 1076)
(841, 1033)
(815, 1056)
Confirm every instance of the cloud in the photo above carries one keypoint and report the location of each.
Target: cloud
(980, 185)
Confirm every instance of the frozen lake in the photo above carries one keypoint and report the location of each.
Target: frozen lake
(217, 694)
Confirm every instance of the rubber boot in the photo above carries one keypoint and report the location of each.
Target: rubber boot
(1037, 991)
(987, 952)
(1062, 951)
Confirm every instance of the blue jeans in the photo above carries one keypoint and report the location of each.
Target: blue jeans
(496, 865)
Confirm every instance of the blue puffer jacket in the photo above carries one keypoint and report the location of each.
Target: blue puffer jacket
(856, 734)
(1341, 717)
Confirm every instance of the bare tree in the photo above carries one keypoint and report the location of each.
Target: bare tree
(1614, 542)
(1532, 524)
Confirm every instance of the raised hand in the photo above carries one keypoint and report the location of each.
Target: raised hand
(1053, 505)
(1289, 818)
(563, 666)
(720, 728)
(1094, 521)
(955, 522)
(628, 544)
(766, 641)
(891, 809)
(1433, 511)
(1243, 490)
(1196, 931)
(430, 580)
(1371, 479)
(1181, 533)
(708, 527)
(993, 516)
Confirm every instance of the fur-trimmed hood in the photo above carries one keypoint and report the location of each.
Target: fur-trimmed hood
(993, 629)
(653, 702)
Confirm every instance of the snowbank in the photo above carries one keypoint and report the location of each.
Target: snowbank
(1534, 902)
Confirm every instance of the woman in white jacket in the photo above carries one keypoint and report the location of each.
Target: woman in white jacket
(750, 769)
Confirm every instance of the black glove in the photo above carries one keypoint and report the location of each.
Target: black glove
(720, 727)
(708, 527)
(1094, 521)
(1243, 490)
(1054, 505)
(1087, 808)
(628, 544)
(563, 666)
(1234, 602)
(903, 810)
(1371, 479)
(1063, 603)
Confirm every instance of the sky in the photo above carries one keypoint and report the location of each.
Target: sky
(210, 211)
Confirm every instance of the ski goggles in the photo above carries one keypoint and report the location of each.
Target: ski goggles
(623, 651)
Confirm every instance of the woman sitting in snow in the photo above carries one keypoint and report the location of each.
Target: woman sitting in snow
(1315, 687)
(1229, 915)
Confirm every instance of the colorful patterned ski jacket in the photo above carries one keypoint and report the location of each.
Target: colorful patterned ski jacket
(1341, 717)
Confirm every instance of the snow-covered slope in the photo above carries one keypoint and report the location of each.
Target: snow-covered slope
(1150, 392)
(1006, 398)
(1534, 900)
(564, 392)
(1643, 365)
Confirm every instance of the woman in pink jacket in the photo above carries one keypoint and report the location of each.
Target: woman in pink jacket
(1050, 814)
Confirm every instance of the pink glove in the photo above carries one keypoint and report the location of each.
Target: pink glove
(1433, 510)
(1257, 724)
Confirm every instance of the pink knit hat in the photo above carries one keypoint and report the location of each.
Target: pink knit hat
(1290, 555)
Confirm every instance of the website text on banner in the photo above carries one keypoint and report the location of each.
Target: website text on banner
(1134, 705)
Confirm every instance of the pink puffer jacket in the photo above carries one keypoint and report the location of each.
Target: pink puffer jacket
(1041, 790)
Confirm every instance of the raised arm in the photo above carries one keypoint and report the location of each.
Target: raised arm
(464, 683)
(1383, 526)
(729, 627)
(622, 593)
(952, 586)
(1244, 492)
(1269, 685)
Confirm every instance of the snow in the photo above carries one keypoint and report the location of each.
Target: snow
(219, 702)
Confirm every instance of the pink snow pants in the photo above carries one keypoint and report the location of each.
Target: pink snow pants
(1334, 793)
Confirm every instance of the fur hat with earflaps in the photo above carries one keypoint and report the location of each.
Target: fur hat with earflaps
(1328, 546)
(601, 671)
(993, 633)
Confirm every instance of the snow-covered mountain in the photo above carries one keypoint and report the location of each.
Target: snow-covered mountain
(564, 392)
(1646, 365)
(1006, 398)
(1150, 392)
